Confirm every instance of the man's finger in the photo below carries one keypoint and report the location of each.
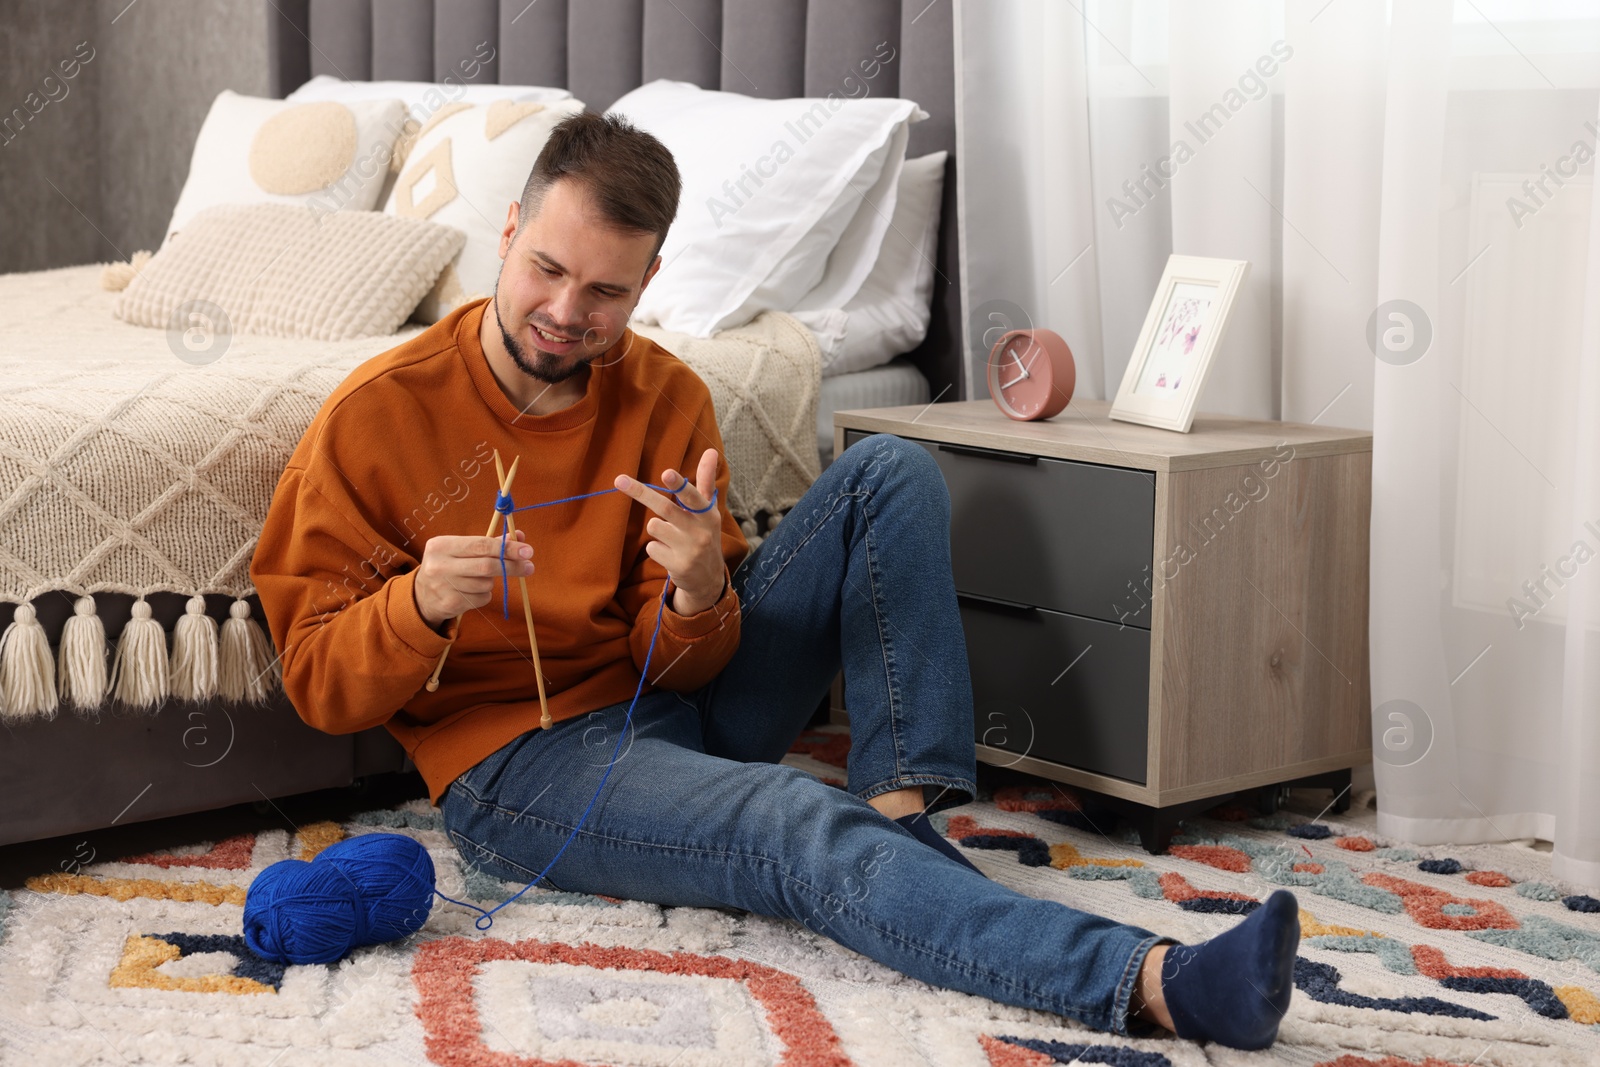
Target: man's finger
(690, 494)
(645, 495)
(470, 547)
(671, 533)
(708, 475)
(687, 495)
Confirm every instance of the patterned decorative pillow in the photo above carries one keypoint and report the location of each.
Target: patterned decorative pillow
(252, 150)
(467, 164)
(290, 271)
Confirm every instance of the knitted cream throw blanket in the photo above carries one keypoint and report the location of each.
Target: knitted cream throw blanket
(126, 469)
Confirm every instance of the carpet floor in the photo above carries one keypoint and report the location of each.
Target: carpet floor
(1461, 956)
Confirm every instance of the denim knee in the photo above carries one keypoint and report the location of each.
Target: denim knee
(821, 834)
(891, 462)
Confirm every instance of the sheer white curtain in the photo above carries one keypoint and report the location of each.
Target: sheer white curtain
(1412, 185)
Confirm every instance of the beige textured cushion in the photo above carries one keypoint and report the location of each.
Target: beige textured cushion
(289, 271)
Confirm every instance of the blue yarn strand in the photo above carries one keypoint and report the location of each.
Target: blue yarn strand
(504, 505)
(367, 889)
(486, 918)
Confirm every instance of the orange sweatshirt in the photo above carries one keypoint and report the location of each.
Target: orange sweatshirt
(402, 451)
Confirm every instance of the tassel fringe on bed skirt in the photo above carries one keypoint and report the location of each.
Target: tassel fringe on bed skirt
(236, 663)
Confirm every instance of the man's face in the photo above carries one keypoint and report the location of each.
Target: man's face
(570, 273)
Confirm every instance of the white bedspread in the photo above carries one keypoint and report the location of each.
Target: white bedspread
(126, 468)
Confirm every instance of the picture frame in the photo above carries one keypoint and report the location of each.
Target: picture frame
(1188, 318)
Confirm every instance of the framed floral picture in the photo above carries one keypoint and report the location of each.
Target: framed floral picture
(1186, 320)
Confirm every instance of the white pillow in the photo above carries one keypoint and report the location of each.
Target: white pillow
(422, 99)
(853, 257)
(769, 188)
(251, 150)
(467, 165)
(890, 313)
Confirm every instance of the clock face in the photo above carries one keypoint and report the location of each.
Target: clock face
(1020, 377)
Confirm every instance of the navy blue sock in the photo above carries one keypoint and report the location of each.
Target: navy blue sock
(917, 822)
(1234, 988)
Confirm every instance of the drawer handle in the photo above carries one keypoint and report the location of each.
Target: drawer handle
(995, 602)
(985, 453)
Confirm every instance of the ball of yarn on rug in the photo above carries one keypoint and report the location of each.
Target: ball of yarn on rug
(361, 891)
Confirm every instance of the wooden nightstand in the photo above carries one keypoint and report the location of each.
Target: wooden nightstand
(1164, 619)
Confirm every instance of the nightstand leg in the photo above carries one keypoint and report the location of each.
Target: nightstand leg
(1341, 803)
(1336, 781)
(1267, 799)
(1156, 828)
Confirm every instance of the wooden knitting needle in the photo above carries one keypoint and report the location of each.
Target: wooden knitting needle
(494, 525)
(527, 605)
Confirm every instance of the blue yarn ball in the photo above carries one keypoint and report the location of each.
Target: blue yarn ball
(362, 891)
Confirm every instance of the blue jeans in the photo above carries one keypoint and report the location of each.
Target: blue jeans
(698, 811)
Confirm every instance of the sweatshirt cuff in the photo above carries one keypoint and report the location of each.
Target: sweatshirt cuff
(407, 622)
(692, 627)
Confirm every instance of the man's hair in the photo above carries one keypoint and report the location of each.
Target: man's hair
(630, 174)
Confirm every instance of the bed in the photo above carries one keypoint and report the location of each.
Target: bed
(220, 452)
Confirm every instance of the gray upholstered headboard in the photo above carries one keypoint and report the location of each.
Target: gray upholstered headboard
(600, 49)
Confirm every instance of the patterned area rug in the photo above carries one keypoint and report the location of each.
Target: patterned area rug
(1442, 957)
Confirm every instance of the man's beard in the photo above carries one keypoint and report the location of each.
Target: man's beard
(538, 364)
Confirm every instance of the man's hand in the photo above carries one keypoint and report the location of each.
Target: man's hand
(688, 545)
(459, 573)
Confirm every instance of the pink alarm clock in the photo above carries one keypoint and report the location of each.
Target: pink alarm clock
(1031, 374)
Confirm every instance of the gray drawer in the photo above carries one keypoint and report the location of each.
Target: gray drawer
(1051, 533)
(1058, 687)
